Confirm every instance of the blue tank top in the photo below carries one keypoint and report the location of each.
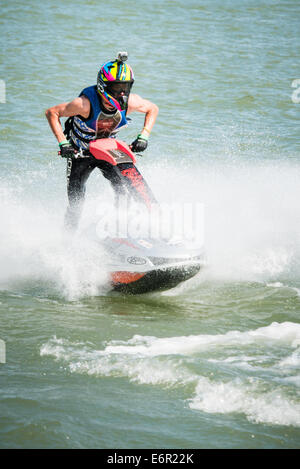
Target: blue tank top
(99, 124)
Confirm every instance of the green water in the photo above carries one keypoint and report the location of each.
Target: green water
(213, 363)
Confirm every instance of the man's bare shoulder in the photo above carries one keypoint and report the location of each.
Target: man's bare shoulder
(81, 106)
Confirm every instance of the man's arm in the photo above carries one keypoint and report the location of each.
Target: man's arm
(79, 106)
(138, 104)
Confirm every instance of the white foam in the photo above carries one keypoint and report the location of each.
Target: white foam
(166, 361)
(287, 333)
(33, 249)
(143, 370)
(275, 285)
(271, 407)
(140, 347)
(251, 228)
(281, 285)
(292, 361)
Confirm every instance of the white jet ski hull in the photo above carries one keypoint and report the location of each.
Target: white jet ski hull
(141, 266)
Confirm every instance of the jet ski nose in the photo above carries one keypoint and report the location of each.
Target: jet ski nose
(146, 265)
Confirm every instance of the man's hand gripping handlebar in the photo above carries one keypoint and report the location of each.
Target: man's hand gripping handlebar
(68, 151)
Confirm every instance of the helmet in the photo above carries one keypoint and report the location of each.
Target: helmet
(115, 80)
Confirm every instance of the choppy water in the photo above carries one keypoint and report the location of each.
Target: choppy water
(213, 363)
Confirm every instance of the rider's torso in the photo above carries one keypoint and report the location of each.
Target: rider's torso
(99, 124)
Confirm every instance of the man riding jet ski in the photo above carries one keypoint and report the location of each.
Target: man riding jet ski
(100, 111)
(94, 118)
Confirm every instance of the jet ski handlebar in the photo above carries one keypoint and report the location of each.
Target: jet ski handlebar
(111, 150)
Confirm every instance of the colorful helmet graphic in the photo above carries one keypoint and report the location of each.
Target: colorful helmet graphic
(115, 80)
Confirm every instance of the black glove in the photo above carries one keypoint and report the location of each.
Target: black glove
(139, 144)
(67, 150)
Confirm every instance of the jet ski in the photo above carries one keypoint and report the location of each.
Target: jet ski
(146, 265)
(139, 265)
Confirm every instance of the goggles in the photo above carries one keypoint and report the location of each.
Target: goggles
(117, 89)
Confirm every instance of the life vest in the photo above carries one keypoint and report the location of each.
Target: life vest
(99, 124)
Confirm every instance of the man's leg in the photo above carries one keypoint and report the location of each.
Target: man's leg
(78, 172)
(127, 180)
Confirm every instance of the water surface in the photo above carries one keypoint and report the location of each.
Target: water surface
(213, 363)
